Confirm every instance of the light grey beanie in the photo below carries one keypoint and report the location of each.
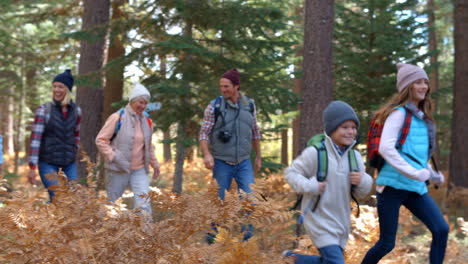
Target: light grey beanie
(335, 114)
(139, 91)
(407, 74)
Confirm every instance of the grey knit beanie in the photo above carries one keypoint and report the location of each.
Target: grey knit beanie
(335, 114)
(407, 74)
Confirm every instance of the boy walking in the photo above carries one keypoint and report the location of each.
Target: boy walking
(326, 204)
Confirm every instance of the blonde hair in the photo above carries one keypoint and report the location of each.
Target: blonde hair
(67, 98)
(401, 99)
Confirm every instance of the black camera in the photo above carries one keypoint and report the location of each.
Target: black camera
(224, 136)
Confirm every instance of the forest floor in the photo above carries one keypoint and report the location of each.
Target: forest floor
(82, 227)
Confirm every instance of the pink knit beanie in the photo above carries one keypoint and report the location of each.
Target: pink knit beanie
(407, 74)
(232, 75)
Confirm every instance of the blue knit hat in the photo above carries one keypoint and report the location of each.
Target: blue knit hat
(66, 78)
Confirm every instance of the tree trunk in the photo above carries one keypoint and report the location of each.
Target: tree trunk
(434, 74)
(18, 132)
(167, 154)
(284, 147)
(32, 92)
(192, 129)
(295, 124)
(10, 125)
(20, 98)
(298, 86)
(3, 117)
(180, 156)
(90, 94)
(113, 89)
(317, 88)
(31, 100)
(183, 124)
(9, 78)
(459, 153)
(166, 132)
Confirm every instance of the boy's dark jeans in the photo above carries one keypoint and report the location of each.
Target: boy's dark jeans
(423, 207)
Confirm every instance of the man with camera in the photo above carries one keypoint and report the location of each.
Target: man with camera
(228, 132)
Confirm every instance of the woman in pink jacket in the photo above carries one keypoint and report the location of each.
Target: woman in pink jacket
(125, 142)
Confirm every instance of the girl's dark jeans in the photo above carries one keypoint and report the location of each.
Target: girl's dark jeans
(423, 207)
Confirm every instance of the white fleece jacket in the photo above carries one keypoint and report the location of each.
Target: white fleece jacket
(330, 223)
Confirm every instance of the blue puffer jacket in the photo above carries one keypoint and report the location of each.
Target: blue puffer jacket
(415, 151)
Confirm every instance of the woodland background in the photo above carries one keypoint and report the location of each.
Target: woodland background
(294, 57)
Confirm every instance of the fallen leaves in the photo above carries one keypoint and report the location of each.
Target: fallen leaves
(82, 226)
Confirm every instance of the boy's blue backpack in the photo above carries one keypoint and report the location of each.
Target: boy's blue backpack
(318, 142)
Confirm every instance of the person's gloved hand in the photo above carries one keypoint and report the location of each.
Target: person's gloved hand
(437, 177)
(424, 175)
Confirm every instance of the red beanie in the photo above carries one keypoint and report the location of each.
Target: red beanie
(233, 76)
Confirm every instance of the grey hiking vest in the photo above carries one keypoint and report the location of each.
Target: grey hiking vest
(238, 121)
(123, 143)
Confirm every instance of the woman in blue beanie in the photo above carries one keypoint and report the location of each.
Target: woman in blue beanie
(55, 134)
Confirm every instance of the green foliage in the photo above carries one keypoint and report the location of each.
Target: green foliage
(255, 40)
(31, 54)
(370, 38)
(269, 165)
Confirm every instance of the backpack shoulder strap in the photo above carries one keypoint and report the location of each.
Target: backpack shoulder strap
(148, 119)
(353, 165)
(322, 169)
(119, 123)
(48, 110)
(217, 107)
(251, 104)
(317, 142)
(322, 163)
(406, 127)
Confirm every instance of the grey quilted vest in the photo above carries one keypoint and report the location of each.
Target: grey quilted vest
(237, 121)
(122, 144)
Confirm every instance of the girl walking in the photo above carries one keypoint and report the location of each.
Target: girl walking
(401, 180)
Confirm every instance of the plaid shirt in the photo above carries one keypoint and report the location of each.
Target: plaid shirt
(340, 150)
(209, 120)
(38, 128)
(374, 136)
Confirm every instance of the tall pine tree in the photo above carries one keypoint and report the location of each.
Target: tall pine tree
(248, 35)
(370, 38)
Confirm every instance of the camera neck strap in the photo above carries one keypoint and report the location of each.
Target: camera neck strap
(223, 113)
